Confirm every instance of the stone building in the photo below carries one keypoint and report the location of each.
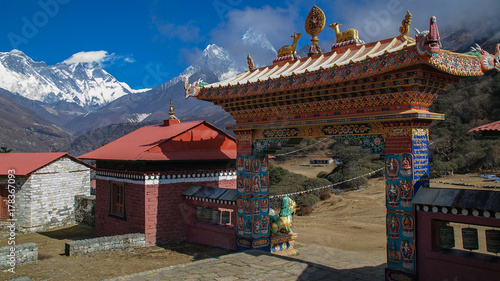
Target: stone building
(140, 177)
(42, 189)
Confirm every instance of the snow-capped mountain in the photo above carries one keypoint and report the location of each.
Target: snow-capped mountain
(257, 40)
(213, 64)
(213, 59)
(258, 46)
(84, 84)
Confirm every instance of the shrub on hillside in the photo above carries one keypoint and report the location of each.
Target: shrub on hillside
(325, 194)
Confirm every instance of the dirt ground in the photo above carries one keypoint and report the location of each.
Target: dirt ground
(54, 265)
(294, 165)
(352, 221)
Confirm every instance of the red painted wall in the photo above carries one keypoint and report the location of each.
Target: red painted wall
(158, 211)
(133, 222)
(452, 265)
(208, 233)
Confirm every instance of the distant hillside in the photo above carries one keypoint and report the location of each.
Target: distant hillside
(472, 102)
(23, 130)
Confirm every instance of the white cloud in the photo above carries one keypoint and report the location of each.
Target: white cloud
(276, 24)
(88, 57)
(99, 57)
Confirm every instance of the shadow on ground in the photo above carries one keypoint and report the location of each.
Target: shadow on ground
(315, 271)
(76, 232)
(196, 251)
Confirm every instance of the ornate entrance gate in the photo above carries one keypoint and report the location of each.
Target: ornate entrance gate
(376, 95)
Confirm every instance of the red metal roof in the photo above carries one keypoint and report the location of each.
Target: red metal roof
(495, 126)
(183, 141)
(25, 163)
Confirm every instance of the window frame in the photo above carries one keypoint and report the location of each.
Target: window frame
(117, 199)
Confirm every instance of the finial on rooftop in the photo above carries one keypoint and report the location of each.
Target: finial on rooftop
(404, 29)
(250, 63)
(171, 111)
(172, 119)
(315, 23)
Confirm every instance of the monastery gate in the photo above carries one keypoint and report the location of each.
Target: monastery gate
(375, 95)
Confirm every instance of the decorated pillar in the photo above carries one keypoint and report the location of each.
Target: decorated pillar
(252, 218)
(406, 171)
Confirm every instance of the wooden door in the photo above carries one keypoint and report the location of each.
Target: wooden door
(4, 196)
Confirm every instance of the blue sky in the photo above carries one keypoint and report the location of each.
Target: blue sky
(145, 43)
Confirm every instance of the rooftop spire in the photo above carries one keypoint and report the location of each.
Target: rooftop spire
(172, 119)
(315, 23)
(171, 111)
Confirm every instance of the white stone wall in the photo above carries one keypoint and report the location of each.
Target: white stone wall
(51, 191)
(22, 211)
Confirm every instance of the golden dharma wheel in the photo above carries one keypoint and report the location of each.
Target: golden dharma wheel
(315, 23)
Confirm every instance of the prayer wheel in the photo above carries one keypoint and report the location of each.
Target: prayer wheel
(446, 237)
(226, 217)
(493, 241)
(216, 216)
(200, 212)
(469, 238)
(208, 214)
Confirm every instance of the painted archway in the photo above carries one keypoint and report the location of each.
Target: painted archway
(374, 94)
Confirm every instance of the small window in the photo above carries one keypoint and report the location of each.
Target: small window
(117, 199)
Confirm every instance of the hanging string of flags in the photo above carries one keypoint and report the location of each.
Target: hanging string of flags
(302, 148)
(326, 186)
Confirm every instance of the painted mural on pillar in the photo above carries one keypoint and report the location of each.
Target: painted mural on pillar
(252, 226)
(401, 242)
(399, 184)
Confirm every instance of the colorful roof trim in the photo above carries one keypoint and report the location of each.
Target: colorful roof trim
(344, 64)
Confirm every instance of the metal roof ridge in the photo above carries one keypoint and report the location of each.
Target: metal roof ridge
(256, 77)
(358, 53)
(373, 50)
(303, 66)
(327, 61)
(383, 50)
(274, 69)
(315, 63)
(292, 67)
(334, 63)
(280, 70)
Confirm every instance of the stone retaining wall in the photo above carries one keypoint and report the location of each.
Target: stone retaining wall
(23, 254)
(105, 244)
(85, 210)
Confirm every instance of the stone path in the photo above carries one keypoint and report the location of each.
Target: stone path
(314, 262)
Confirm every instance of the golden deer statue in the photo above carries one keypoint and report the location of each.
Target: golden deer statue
(290, 49)
(346, 35)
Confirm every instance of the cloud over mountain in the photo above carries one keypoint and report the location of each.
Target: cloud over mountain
(97, 57)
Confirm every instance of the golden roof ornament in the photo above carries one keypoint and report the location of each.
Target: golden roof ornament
(315, 23)
(290, 50)
(346, 35)
(251, 66)
(404, 29)
(171, 112)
